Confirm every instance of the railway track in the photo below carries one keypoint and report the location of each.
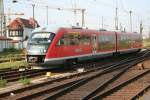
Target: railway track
(129, 88)
(79, 90)
(76, 85)
(7, 70)
(12, 75)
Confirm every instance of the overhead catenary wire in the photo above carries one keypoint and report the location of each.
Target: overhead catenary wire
(111, 4)
(43, 5)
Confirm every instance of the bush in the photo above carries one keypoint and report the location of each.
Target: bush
(10, 50)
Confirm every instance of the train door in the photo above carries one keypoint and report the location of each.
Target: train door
(94, 44)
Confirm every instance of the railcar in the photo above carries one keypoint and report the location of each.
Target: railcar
(53, 47)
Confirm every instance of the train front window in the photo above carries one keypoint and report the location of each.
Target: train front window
(41, 37)
(39, 42)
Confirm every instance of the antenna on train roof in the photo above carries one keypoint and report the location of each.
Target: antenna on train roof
(102, 29)
(135, 32)
(78, 27)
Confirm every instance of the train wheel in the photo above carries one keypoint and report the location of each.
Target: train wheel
(116, 54)
(70, 63)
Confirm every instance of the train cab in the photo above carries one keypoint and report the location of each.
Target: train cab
(38, 44)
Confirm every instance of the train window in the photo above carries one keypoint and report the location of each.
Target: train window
(51, 37)
(74, 39)
(68, 39)
(85, 39)
(106, 41)
(41, 37)
(61, 41)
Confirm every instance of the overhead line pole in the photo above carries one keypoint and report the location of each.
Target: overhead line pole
(33, 10)
(130, 12)
(141, 28)
(83, 19)
(116, 19)
(71, 9)
(102, 22)
(47, 15)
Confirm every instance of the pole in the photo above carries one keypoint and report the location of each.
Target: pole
(149, 32)
(130, 12)
(141, 28)
(33, 8)
(1, 26)
(120, 27)
(116, 19)
(102, 22)
(47, 15)
(1, 17)
(4, 25)
(83, 20)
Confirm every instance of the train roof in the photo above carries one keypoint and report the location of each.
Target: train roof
(46, 29)
(55, 28)
(50, 28)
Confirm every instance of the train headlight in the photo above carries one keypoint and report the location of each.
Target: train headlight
(44, 51)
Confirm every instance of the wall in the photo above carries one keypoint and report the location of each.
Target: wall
(20, 44)
(5, 44)
(27, 32)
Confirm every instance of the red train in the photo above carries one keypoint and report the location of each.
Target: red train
(71, 45)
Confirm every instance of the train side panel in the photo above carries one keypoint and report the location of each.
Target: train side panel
(82, 44)
(69, 45)
(128, 42)
(106, 42)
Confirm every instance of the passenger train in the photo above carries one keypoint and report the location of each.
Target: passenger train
(50, 47)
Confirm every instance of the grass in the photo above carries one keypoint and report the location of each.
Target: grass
(146, 43)
(15, 64)
(11, 59)
(10, 55)
(25, 81)
(3, 82)
(11, 52)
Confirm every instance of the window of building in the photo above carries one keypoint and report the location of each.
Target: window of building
(13, 33)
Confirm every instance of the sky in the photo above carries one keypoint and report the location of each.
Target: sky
(96, 10)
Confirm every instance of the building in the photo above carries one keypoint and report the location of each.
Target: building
(19, 30)
(5, 43)
(1, 18)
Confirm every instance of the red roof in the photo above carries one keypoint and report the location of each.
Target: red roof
(19, 23)
(4, 38)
